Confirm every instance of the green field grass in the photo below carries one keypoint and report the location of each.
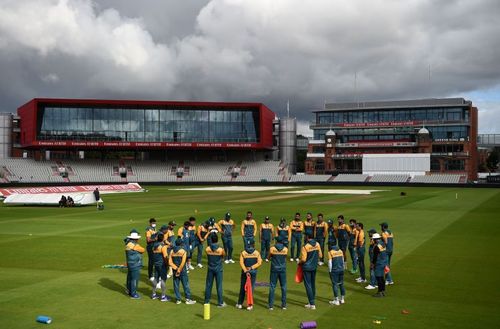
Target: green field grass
(446, 262)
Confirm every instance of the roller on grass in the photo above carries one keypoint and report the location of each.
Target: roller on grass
(44, 319)
(248, 290)
(308, 325)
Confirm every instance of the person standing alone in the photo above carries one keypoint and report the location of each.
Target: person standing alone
(97, 197)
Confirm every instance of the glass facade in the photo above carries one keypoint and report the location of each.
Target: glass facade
(168, 124)
(432, 117)
(433, 114)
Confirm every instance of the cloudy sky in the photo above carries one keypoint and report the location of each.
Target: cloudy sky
(305, 51)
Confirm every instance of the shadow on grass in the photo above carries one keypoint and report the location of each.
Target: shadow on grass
(112, 285)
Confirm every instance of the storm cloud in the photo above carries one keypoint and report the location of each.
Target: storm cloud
(304, 51)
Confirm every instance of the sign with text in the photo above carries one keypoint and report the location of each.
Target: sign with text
(379, 124)
(103, 189)
(119, 144)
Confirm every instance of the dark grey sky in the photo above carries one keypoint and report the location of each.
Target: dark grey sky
(259, 50)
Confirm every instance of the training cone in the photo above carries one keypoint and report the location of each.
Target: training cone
(206, 311)
(248, 290)
(299, 275)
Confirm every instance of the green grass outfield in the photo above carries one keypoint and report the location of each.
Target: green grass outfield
(446, 263)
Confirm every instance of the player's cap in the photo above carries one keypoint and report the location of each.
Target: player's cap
(228, 215)
(330, 221)
(266, 218)
(134, 236)
(384, 224)
(376, 236)
(172, 223)
(163, 227)
(372, 231)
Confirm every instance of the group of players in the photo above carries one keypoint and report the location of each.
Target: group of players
(170, 254)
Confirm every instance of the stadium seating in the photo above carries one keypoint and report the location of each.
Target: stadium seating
(438, 179)
(351, 178)
(310, 178)
(29, 171)
(108, 171)
(389, 179)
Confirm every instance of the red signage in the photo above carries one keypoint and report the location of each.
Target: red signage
(145, 144)
(380, 124)
(103, 189)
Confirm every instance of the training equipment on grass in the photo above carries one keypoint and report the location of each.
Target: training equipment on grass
(308, 325)
(206, 311)
(115, 266)
(262, 284)
(44, 319)
(248, 290)
(299, 275)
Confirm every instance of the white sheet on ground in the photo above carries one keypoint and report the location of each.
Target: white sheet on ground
(234, 188)
(81, 199)
(332, 191)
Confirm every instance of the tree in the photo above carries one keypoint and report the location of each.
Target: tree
(492, 161)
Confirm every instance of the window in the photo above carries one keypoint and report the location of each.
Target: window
(324, 118)
(435, 165)
(150, 124)
(319, 134)
(455, 164)
(454, 116)
(419, 114)
(319, 165)
(338, 117)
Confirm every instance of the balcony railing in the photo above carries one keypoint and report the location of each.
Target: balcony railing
(451, 154)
